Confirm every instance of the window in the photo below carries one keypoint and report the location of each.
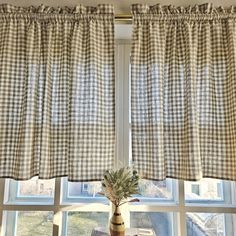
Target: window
(31, 191)
(82, 192)
(205, 190)
(170, 207)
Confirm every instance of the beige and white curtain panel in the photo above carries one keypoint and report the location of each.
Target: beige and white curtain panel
(57, 103)
(56, 92)
(184, 92)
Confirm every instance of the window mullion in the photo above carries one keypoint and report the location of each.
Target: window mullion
(227, 192)
(64, 223)
(57, 219)
(210, 209)
(228, 225)
(2, 190)
(122, 102)
(119, 54)
(10, 226)
(182, 211)
(122, 111)
(126, 105)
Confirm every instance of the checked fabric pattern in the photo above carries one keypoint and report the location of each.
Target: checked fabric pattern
(56, 92)
(183, 92)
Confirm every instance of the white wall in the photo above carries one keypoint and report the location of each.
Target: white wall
(121, 6)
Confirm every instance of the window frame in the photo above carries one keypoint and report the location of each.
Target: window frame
(75, 200)
(11, 196)
(178, 206)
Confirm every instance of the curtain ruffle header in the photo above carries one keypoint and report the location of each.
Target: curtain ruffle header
(204, 10)
(207, 8)
(79, 9)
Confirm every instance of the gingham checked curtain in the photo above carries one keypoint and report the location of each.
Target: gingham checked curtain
(56, 92)
(183, 101)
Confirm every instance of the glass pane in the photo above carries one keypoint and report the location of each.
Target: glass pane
(34, 223)
(83, 223)
(160, 222)
(84, 189)
(36, 187)
(23, 223)
(205, 189)
(210, 224)
(156, 189)
(30, 191)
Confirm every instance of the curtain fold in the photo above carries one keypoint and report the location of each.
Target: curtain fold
(183, 92)
(56, 92)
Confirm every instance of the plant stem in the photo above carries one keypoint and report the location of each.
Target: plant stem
(122, 203)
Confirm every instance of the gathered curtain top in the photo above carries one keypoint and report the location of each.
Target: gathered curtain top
(47, 12)
(204, 11)
(79, 9)
(207, 10)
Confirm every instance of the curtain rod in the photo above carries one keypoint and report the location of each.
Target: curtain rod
(123, 17)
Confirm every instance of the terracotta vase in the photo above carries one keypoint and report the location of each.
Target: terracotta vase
(117, 226)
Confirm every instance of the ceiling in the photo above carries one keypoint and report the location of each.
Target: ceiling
(121, 6)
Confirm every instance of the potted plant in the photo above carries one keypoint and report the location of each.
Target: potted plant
(118, 186)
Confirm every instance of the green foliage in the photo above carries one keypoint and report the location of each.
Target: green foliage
(120, 185)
